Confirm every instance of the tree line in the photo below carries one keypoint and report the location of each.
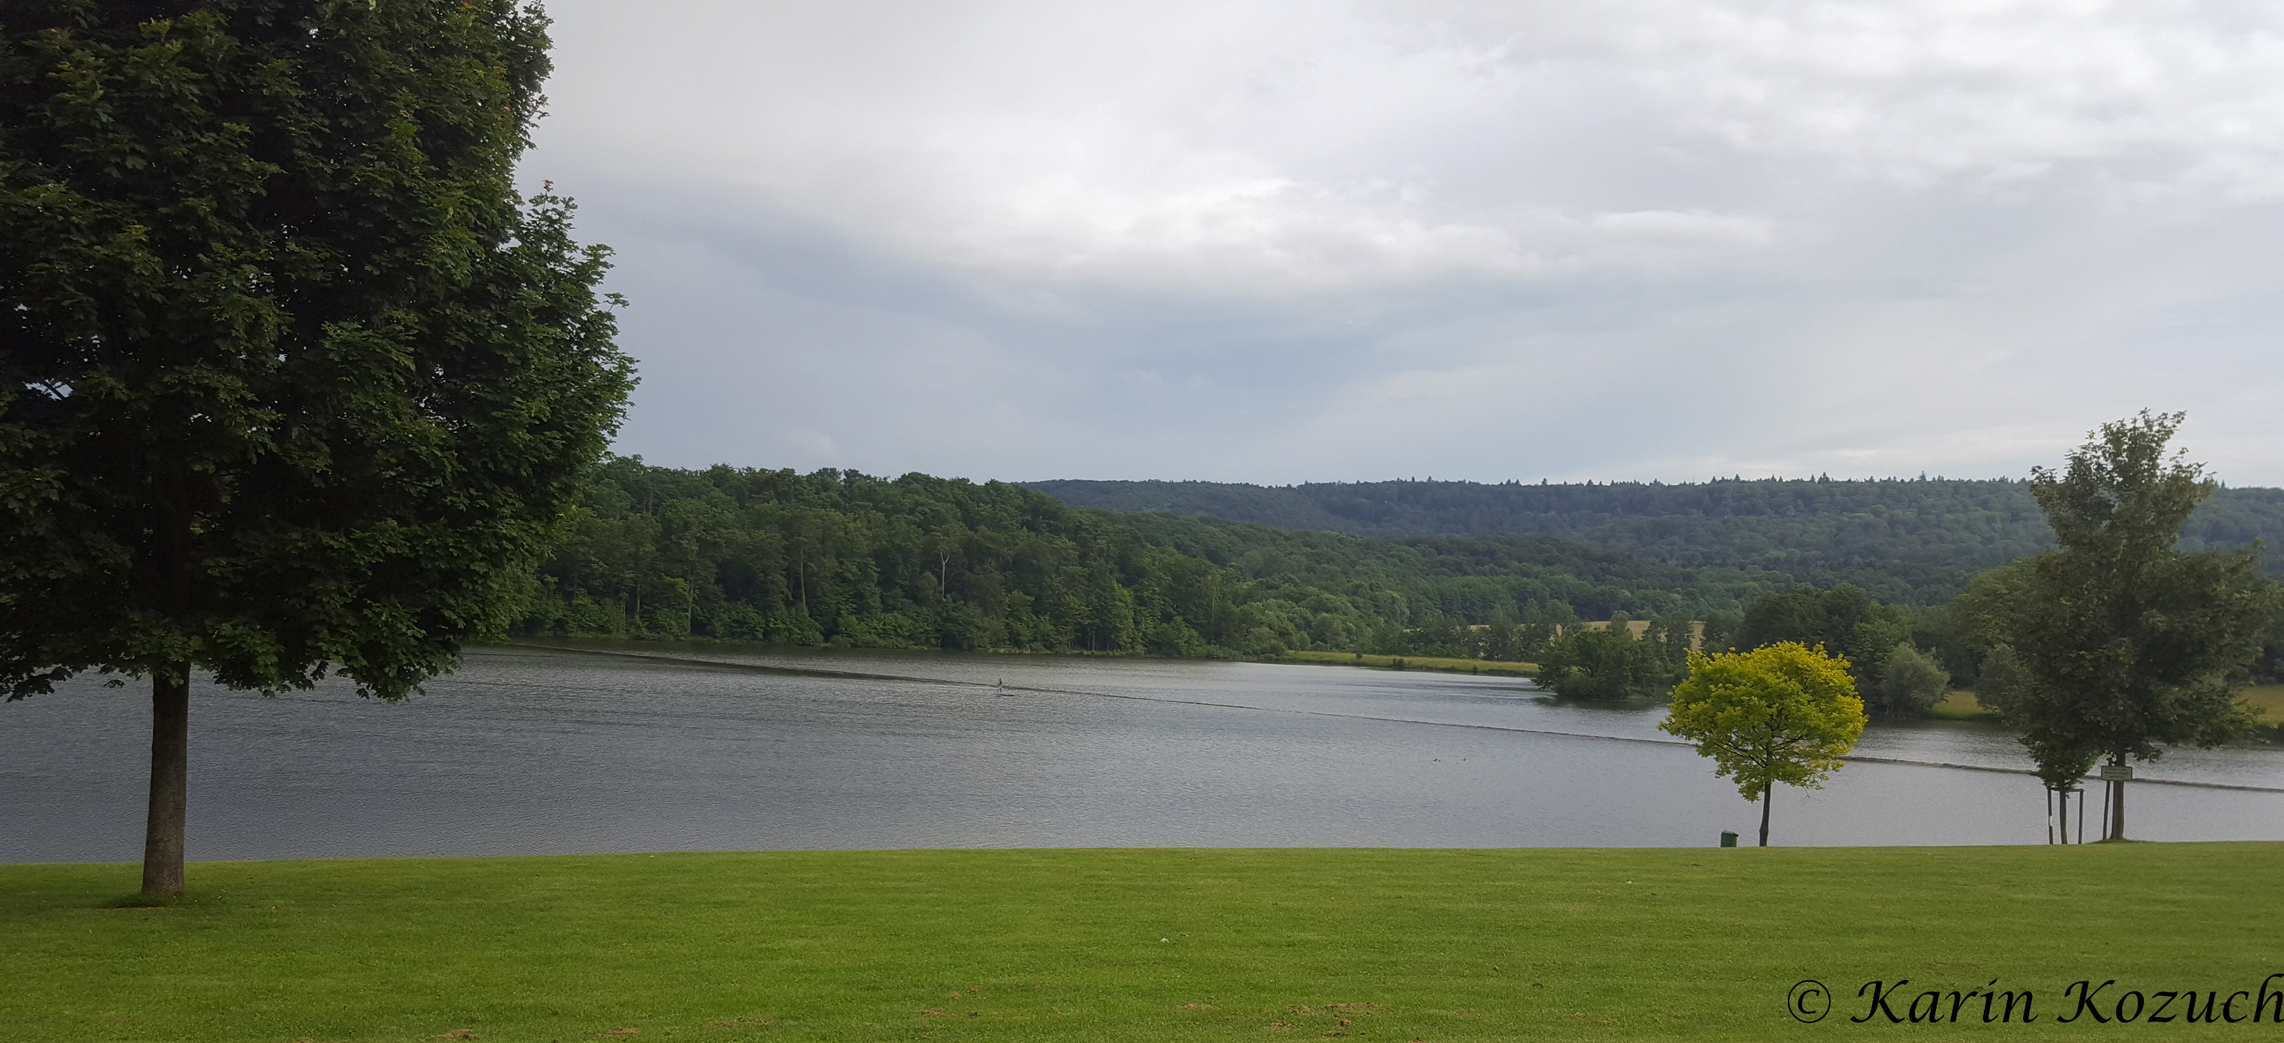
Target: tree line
(840, 557)
(1895, 654)
(843, 558)
(1916, 541)
(1902, 658)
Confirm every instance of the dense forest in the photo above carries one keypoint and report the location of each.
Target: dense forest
(842, 558)
(1906, 541)
(846, 558)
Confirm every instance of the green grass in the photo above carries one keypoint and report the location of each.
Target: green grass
(1401, 662)
(1960, 705)
(1238, 945)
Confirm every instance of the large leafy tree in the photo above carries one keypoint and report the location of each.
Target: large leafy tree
(2128, 643)
(294, 382)
(1781, 713)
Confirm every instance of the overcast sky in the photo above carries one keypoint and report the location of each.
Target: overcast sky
(1298, 240)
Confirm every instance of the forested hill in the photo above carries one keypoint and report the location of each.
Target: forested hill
(847, 558)
(1902, 540)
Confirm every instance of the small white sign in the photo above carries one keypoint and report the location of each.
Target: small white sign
(2117, 773)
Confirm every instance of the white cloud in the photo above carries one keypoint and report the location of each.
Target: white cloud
(1266, 148)
(1308, 144)
(1981, 88)
(1952, 88)
(1279, 239)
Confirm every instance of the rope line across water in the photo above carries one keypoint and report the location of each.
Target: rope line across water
(856, 676)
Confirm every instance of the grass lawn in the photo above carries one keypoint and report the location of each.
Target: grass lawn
(1413, 662)
(1275, 944)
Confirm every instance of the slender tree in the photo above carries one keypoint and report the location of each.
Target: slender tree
(292, 381)
(2127, 644)
(1779, 713)
(2061, 768)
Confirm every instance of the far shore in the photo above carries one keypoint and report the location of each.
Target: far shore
(1401, 662)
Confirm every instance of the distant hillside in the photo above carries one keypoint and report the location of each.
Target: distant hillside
(837, 557)
(1902, 540)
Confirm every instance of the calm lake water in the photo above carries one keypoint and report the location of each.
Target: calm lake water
(653, 748)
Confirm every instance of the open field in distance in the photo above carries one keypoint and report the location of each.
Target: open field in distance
(2269, 700)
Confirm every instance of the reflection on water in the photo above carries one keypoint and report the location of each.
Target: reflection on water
(530, 750)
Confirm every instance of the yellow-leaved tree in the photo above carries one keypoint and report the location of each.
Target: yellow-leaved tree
(1779, 713)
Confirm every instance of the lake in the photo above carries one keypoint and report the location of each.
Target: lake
(530, 750)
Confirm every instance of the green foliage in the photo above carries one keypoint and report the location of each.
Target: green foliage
(1909, 542)
(845, 558)
(294, 381)
(1606, 663)
(1672, 637)
(1720, 630)
(1469, 579)
(1858, 629)
(1781, 713)
(1866, 633)
(2268, 666)
(1842, 619)
(849, 559)
(1910, 682)
(2003, 681)
(2057, 757)
(2128, 644)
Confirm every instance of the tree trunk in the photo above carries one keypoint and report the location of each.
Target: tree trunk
(1766, 796)
(170, 782)
(2117, 811)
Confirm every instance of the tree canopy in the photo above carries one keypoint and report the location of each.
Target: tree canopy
(1780, 713)
(1910, 681)
(840, 557)
(295, 382)
(1610, 663)
(846, 558)
(1903, 541)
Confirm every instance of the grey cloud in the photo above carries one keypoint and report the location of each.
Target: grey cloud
(1282, 241)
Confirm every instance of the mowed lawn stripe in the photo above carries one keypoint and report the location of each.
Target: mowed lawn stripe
(1151, 944)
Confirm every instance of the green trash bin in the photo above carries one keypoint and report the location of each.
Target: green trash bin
(1728, 839)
